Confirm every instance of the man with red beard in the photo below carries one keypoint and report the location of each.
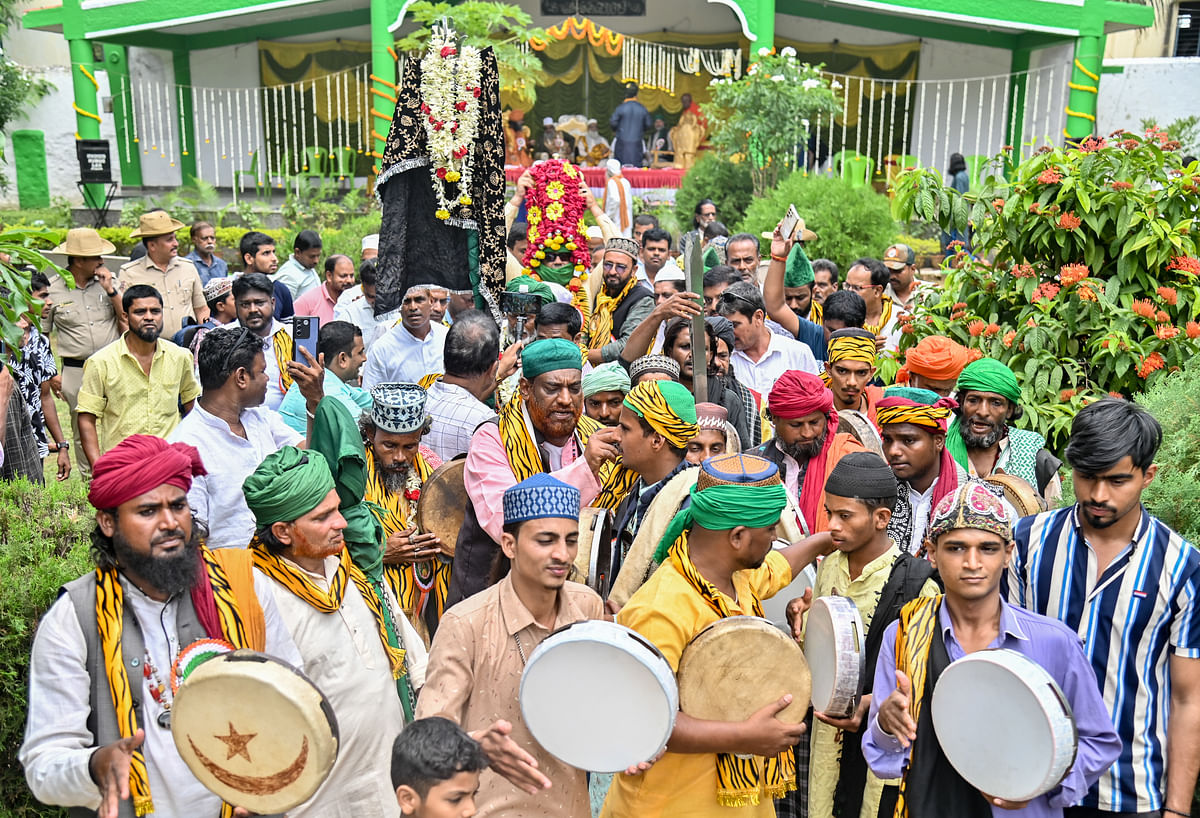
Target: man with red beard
(98, 734)
(539, 431)
(806, 445)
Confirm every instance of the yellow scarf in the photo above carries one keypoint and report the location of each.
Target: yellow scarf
(329, 601)
(600, 328)
(284, 348)
(740, 780)
(394, 512)
(428, 381)
(110, 623)
(914, 636)
(884, 317)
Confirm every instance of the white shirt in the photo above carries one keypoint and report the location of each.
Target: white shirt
(455, 414)
(782, 355)
(353, 306)
(216, 498)
(58, 744)
(344, 657)
(274, 392)
(400, 357)
(612, 206)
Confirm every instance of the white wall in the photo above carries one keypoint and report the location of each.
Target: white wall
(155, 106)
(1141, 91)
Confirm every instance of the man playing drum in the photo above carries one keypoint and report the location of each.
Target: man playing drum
(357, 648)
(103, 742)
(970, 543)
(398, 465)
(868, 568)
(482, 645)
(717, 561)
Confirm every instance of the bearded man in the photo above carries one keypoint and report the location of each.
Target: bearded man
(397, 467)
(807, 444)
(621, 305)
(98, 734)
(539, 430)
(982, 438)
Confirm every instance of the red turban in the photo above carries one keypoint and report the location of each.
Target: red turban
(141, 463)
(795, 395)
(936, 357)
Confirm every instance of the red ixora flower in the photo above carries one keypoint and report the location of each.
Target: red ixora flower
(1047, 289)
(1086, 293)
(991, 329)
(412, 494)
(1122, 185)
(1166, 332)
(1066, 395)
(1143, 307)
(1069, 221)
(1185, 264)
(1092, 144)
(1161, 317)
(1150, 363)
(1023, 271)
(976, 328)
(960, 305)
(1072, 274)
(1169, 295)
(1035, 208)
(1050, 176)
(1129, 144)
(1192, 329)
(1008, 338)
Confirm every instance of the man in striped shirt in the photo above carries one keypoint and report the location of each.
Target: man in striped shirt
(1128, 585)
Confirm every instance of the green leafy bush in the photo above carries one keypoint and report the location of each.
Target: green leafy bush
(1174, 496)
(850, 222)
(714, 177)
(43, 543)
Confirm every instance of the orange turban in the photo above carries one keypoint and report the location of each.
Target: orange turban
(936, 357)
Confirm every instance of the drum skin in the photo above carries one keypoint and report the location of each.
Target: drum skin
(593, 560)
(1023, 497)
(599, 696)
(740, 664)
(1016, 744)
(255, 731)
(834, 645)
(443, 504)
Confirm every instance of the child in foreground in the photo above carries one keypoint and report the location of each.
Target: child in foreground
(435, 769)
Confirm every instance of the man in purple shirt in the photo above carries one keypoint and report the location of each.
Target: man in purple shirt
(970, 543)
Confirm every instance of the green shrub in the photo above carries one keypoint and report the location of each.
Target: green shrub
(714, 177)
(850, 222)
(43, 543)
(1174, 496)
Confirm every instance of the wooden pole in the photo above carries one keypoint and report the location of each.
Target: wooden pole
(694, 272)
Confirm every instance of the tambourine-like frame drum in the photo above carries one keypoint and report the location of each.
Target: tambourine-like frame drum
(599, 696)
(593, 560)
(255, 731)
(1015, 743)
(835, 647)
(443, 504)
(740, 664)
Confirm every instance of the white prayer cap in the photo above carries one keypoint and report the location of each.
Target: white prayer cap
(612, 167)
(371, 242)
(669, 272)
(592, 122)
(547, 121)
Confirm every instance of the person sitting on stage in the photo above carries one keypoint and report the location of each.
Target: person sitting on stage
(715, 434)
(657, 421)
(807, 444)
(482, 645)
(539, 430)
(398, 465)
(934, 364)
(98, 729)
(604, 388)
(621, 305)
(970, 545)
(435, 769)
(366, 661)
(912, 425)
(717, 560)
(982, 438)
(849, 371)
(871, 570)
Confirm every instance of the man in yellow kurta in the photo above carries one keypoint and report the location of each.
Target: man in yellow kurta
(414, 565)
(873, 573)
(717, 560)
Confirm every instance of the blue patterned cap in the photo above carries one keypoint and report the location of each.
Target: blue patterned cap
(398, 408)
(540, 497)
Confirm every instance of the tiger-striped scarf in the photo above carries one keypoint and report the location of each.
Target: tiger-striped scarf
(740, 780)
(284, 348)
(914, 636)
(600, 327)
(110, 622)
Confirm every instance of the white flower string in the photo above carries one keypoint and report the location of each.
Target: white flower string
(450, 87)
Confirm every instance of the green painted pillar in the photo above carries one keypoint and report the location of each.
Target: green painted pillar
(383, 78)
(1085, 86)
(757, 18)
(187, 116)
(1018, 67)
(129, 154)
(87, 112)
(29, 160)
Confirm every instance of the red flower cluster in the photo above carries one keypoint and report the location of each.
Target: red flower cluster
(1185, 264)
(1093, 144)
(569, 225)
(1035, 208)
(1129, 144)
(1047, 289)
(412, 495)
(1166, 332)
(960, 305)
(1143, 307)
(1023, 271)
(1069, 221)
(976, 328)
(991, 329)
(1050, 176)
(1066, 395)
(998, 204)
(1192, 329)
(1007, 340)
(1149, 364)
(1122, 185)
(1072, 274)
(1161, 317)
(1169, 295)
(1086, 293)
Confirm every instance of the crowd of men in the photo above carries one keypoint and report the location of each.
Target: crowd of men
(228, 462)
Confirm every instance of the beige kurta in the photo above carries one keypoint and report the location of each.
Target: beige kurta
(345, 659)
(474, 677)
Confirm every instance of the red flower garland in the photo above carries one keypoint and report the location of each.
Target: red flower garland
(556, 187)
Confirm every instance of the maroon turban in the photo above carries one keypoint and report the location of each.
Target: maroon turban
(795, 395)
(141, 463)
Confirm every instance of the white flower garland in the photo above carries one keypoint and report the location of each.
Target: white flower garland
(450, 86)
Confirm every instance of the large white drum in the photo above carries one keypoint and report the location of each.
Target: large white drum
(1018, 745)
(599, 696)
(835, 647)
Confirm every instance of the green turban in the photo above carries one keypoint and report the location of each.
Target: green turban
(723, 508)
(610, 377)
(287, 485)
(711, 258)
(799, 269)
(915, 394)
(548, 355)
(989, 375)
(528, 284)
